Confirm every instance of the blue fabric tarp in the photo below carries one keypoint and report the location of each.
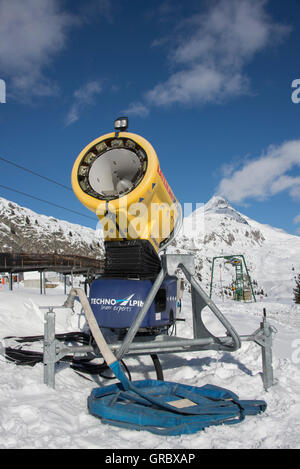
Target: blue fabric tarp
(169, 408)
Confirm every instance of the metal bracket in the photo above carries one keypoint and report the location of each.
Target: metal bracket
(171, 263)
(264, 338)
(49, 357)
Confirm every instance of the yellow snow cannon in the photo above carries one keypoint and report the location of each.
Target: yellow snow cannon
(118, 177)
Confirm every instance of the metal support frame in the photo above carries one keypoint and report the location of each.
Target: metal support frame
(264, 337)
(49, 349)
(41, 282)
(10, 281)
(132, 345)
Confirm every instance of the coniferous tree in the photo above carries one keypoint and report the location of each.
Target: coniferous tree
(296, 290)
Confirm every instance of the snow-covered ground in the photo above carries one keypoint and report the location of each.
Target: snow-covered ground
(35, 416)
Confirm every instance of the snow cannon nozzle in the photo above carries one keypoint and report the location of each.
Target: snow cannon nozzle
(119, 173)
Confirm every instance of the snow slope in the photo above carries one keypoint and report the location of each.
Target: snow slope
(34, 416)
(270, 253)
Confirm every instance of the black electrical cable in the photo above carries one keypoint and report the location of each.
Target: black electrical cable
(157, 366)
(23, 357)
(96, 369)
(80, 337)
(35, 173)
(45, 201)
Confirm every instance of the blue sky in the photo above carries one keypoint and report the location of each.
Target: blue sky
(208, 83)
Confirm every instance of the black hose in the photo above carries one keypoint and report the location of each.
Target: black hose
(96, 369)
(23, 357)
(79, 337)
(158, 367)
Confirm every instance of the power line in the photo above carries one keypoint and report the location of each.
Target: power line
(46, 201)
(34, 173)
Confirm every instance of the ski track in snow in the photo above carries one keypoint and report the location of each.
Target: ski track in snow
(35, 416)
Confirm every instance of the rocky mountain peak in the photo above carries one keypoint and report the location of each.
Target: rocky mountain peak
(219, 205)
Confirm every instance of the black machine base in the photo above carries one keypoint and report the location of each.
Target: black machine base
(131, 259)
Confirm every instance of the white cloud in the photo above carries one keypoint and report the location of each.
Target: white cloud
(295, 192)
(297, 220)
(83, 97)
(285, 182)
(32, 32)
(265, 176)
(212, 50)
(197, 85)
(136, 109)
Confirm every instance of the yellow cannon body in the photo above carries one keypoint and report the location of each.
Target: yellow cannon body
(118, 177)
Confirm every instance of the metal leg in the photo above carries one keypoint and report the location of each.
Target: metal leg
(140, 316)
(201, 299)
(10, 281)
(267, 330)
(49, 358)
(44, 283)
(264, 337)
(268, 379)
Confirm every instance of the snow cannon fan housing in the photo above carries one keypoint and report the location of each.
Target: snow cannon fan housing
(118, 177)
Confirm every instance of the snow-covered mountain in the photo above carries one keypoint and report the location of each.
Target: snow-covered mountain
(271, 254)
(22, 230)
